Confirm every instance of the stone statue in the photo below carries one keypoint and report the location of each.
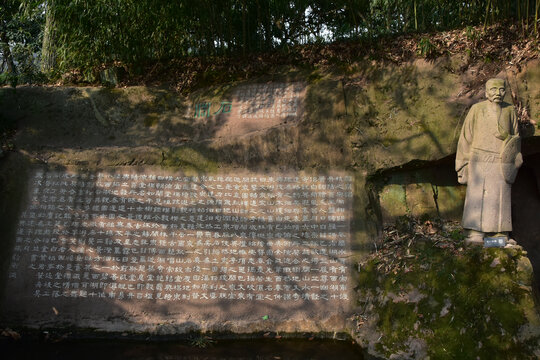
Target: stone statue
(487, 160)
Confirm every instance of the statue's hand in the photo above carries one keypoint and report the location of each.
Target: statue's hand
(463, 175)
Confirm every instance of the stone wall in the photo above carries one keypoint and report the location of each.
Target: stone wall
(392, 128)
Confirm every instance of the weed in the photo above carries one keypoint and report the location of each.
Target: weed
(456, 235)
(426, 48)
(202, 342)
(471, 34)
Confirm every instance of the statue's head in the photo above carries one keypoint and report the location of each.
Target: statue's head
(495, 90)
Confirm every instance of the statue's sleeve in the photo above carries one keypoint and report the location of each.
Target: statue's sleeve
(464, 145)
(514, 127)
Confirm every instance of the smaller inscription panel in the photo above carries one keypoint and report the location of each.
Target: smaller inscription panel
(169, 245)
(270, 101)
(252, 108)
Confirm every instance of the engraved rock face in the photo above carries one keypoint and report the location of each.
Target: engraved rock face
(251, 108)
(226, 247)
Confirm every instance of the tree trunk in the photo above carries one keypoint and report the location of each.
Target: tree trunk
(352, 9)
(518, 5)
(244, 28)
(48, 52)
(260, 38)
(268, 27)
(4, 42)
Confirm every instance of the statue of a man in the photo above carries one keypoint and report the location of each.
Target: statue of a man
(487, 160)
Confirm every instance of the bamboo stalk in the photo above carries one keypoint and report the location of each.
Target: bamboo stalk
(244, 28)
(536, 18)
(487, 14)
(527, 19)
(416, 18)
(519, 11)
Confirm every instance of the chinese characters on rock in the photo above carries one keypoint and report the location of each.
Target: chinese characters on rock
(179, 238)
(256, 101)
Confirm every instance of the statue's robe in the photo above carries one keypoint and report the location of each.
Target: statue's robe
(478, 163)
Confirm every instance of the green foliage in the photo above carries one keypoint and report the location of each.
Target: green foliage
(91, 33)
(426, 48)
(85, 35)
(471, 33)
(9, 78)
(457, 235)
(20, 42)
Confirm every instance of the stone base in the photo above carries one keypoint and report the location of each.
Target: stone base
(474, 238)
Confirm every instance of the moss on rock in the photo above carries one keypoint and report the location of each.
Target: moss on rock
(190, 160)
(434, 298)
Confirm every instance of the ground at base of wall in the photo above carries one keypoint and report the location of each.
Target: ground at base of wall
(423, 294)
(80, 344)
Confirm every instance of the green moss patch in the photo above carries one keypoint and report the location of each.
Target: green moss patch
(190, 160)
(459, 302)
(151, 120)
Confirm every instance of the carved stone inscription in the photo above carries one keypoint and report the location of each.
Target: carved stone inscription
(135, 237)
(251, 108)
(269, 101)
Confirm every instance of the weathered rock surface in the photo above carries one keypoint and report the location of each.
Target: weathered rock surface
(393, 127)
(375, 118)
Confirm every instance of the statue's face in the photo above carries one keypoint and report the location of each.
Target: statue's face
(495, 90)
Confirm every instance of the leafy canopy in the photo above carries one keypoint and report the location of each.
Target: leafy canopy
(88, 33)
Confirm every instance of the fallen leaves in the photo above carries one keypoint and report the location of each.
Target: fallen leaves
(394, 249)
